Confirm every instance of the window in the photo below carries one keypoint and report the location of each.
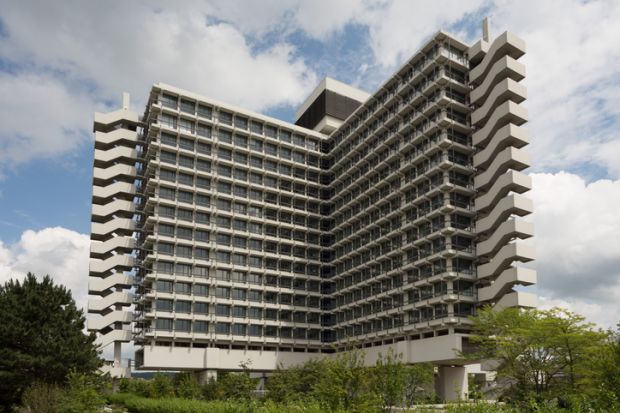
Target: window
(201, 289)
(255, 330)
(224, 187)
(240, 141)
(185, 214)
(188, 106)
(164, 324)
(299, 140)
(239, 259)
(186, 161)
(185, 233)
(255, 244)
(168, 157)
(203, 200)
(238, 329)
(165, 229)
(202, 217)
(224, 204)
(240, 225)
(240, 174)
(185, 196)
(254, 278)
(222, 328)
(204, 183)
(240, 208)
(224, 170)
(167, 175)
(239, 294)
(166, 211)
(204, 111)
(255, 313)
(222, 310)
(223, 222)
(168, 139)
(222, 275)
(187, 144)
(203, 165)
(205, 131)
(163, 305)
(182, 325)
(185, 125)
(202, 236)
(270, 131)
(239, 311)
(255, 162)
(183, 269)
(168, 101)
(183, 306)
(256, 127)
(163, 286)
(255, 228)
(255, 295)
(239, 276)
(183, 288)
(165, 249)
(224, 136)
(256, 145)
(201, 326)
(165, 268)
(285, 136)
(225, 117)
(201, 253)
(201, 308)
(241, 122)
(239, 242)
(256, 262)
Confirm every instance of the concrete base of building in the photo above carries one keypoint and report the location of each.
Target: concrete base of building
(451, 383)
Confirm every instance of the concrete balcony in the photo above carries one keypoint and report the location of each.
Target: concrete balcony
(517, 299)
(119, 316)
(504, 258)
(121, 207)
(97, 285)
(118, 153)
(513, 204)
(509, 158)
(511, 181)
(507, 112)
(123, 336)
(117, 189)
(100, 249)
(506, 44)
(102, 231)
(102, 305)
(504, 283)
(119, 171)
(506, 67)
(508, 230)
(506, 90)
(105, 119)
(508, 135)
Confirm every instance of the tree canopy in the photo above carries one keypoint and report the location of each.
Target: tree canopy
(42, 337)
(543, 354)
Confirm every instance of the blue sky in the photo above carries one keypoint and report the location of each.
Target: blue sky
(59, 64)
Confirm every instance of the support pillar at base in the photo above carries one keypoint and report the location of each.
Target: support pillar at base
(203, 376)
(451, 383)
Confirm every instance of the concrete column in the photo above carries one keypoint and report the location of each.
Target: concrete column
(117, 353)
(451, 383)
(203, 376)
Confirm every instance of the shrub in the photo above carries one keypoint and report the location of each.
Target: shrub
(41, 398)
(187, 386)
(161, 386)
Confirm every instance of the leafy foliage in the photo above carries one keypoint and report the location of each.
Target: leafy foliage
(542, 355)
(41, 337)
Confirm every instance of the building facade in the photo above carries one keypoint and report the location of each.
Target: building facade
(221, 236)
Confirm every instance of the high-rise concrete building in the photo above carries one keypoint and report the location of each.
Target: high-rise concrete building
(221, 236)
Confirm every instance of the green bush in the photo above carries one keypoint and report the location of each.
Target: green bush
(41, 398)
(161, 386)
(186, 386)
(137, 404)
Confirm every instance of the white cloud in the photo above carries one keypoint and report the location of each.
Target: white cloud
(59, 252)
(577, 239)
(85, 61)
(40, 118)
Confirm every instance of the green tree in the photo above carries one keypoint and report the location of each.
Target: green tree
(41, 337)
(347, 384)
(389, 380)
(186, 386)
(540, 354)
(161, 386)
(297, 382)
(418, 380)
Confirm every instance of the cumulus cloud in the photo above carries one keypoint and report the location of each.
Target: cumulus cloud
(67, 61)
(577, 239)
(59, 252)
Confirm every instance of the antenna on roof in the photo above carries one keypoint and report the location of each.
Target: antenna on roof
(486, 29)
(125, 101)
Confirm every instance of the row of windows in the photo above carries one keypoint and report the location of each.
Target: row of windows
(239, 141)
(236, 329)
(239, 121)
(188, 233)
(178, 287)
